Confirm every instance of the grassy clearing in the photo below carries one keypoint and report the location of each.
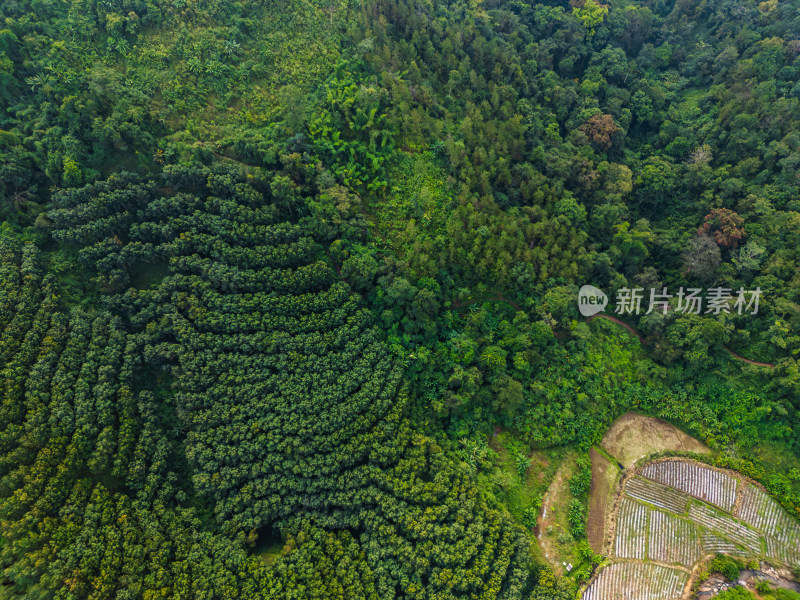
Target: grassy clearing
(421, 191)
(270, 553)
(270, 545)
(556, 539)
(207, 80)
(523, 476)
(412, 218)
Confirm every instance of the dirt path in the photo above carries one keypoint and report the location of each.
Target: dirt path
(747, 360)
(618, 322)
(644, 342)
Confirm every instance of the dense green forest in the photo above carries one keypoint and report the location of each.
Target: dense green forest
(276, 276)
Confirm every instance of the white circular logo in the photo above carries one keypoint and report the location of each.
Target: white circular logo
(591, 300)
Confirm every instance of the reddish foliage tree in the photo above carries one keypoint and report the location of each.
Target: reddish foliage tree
(600, 129)
(725, 226)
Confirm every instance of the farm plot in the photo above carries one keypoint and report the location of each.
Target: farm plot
(726, 525)
(704, 483)
(765, 514)
(714, 544)
(676, 512)
(657, 494)
(637, 581)
(672, 540)
(776, 549)
(631, 538)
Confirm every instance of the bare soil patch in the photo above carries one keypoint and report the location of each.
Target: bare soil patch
(633, 437)
(605, 481)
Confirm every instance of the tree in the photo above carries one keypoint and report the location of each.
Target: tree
(642, 106)
(749, 257)
(600, 129)
(656, 183)
(293, 104)
(590, 13)
(632, 244)
(702, 258)
(725, 226)
(613, 64)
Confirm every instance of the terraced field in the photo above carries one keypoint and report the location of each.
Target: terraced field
(672, 513)
(715, 544)
(637, 581)
(704, 483)
(673, 540)
(660, 496)
(631, 539)
(725, 525)
(763, 513)
(644, 533)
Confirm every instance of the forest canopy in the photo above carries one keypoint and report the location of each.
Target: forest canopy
(288, 289)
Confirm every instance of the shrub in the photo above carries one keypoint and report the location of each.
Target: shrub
(726, 566)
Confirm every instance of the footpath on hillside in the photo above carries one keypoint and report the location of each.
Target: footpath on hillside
(459, 304)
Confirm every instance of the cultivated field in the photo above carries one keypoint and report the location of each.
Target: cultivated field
(672, 540)
(715, 544)
(644, 533)
(658, 495)
(782, 552)
(631, 540)
(704, 483)
(673, 513)
(725, 525)
(764, 514)
(637, 581)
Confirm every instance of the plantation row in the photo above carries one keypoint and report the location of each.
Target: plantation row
(657, 494)
(765, 514)
(637, 581)
(85, 457)
(312, 397)
(278, 398)
(672, 540)
(714, 544)
(631, 530)
(704, 483)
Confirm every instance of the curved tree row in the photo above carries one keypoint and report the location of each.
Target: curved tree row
(243, 382)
